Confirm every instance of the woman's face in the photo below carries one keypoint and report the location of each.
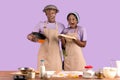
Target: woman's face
(72, 21)
(51, 15)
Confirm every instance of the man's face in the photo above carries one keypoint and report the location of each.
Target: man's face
(51, 15)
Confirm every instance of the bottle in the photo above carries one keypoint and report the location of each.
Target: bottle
(88, 72)
(42, 69)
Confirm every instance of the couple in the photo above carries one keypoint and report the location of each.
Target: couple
(50, 49)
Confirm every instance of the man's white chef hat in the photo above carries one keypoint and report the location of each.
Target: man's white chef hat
(48, 7)
(75, 14)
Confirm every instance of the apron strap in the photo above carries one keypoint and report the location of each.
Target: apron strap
(76, 30)
(45, 24)
(56, 25)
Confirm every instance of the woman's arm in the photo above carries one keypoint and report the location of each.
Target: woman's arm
(80, 43)
(63, 42)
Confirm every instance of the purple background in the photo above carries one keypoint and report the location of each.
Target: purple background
(101, 18)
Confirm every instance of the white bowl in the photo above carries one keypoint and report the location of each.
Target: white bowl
(109, 72)
(49, 73)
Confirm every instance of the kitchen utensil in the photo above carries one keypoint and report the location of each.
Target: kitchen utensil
(39, 35)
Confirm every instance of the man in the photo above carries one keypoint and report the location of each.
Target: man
(49, 50)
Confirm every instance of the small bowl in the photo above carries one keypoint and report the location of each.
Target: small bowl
(24, 70)
(109, 72)
(48, 74)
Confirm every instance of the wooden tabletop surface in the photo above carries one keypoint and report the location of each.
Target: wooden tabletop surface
(6, 75)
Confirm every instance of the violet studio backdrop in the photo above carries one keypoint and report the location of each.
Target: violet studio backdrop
(101, 18)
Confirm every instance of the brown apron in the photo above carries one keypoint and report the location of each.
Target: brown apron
(50, 51)
(74, 59)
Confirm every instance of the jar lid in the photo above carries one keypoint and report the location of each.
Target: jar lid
(88, 66)
(42, 60)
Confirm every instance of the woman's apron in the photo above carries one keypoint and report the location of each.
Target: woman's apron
(74, 59)
(50, 51)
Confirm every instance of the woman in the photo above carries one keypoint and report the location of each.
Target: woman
(74, 60)
(49, 50)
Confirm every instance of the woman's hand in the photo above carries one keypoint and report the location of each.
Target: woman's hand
(63, 41)
(79, 43)
(74, 40)
(60, 37)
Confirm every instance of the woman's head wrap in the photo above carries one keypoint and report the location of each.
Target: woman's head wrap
(76, 15)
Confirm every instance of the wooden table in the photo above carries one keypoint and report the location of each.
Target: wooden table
(6, 75)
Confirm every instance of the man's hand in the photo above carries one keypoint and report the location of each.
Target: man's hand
(32, 38)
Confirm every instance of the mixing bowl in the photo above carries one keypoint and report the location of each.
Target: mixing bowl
(25, 70)
(109, 72)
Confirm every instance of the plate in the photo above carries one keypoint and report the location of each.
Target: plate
(66, 36)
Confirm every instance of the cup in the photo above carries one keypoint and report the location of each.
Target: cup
(31, 75)
(118, 67)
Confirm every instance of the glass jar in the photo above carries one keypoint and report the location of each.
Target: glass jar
(88, 72)
(99, 74)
